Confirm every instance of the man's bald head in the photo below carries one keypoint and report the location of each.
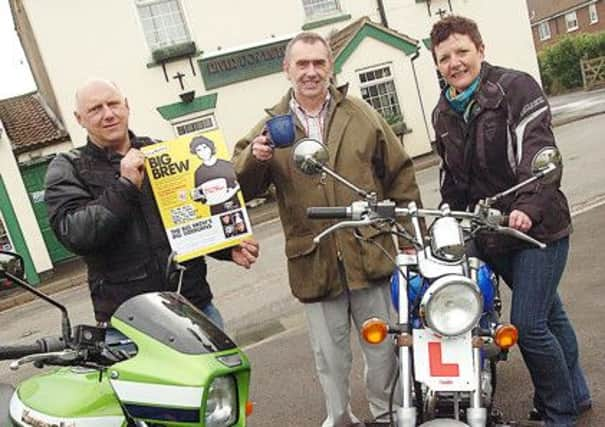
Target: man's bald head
(92, 86)
(103, 111)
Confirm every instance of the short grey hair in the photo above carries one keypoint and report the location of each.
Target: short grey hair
(308, 37)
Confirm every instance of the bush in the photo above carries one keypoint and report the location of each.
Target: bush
(560, 67)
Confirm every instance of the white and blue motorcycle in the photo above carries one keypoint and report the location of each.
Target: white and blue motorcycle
(449, 335)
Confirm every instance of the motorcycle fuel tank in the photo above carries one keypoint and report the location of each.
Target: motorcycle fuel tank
(66, 397)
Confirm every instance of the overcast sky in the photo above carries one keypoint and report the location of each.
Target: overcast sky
(15, 77)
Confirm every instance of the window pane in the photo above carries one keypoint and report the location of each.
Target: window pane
(594, 16)
(144, 12)
(378, 90)
(163, 23)
(318, 8)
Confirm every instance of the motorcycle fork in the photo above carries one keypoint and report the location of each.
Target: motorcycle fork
(476, 415)
(406, 414)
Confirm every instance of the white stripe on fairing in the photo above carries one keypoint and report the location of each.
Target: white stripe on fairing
(17, 409)
(520, 130)
(158, 394)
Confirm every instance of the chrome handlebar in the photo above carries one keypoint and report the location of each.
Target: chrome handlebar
(364, 213)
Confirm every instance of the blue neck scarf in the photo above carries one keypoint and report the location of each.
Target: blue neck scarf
(461, 101)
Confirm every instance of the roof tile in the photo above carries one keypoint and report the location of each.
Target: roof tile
(29, 123)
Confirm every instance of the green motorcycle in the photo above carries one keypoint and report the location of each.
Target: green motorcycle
(161, 363)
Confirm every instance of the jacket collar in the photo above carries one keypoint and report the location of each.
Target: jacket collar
(489, 95)
(107, 153)
(337, 94)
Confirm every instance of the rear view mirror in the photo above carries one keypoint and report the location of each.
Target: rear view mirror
(12, 264)
(547, 164)
(310, 155)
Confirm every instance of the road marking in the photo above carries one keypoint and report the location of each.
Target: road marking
(267, 223)
(587, 205)
(274, 337)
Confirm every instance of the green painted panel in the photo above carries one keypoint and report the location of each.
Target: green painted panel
(324, 22)
(378, 34)
(81, 394)
(179, 109)
(14, 230)
(33, 178)
(242, 65)
(427, 43)
(159, 364)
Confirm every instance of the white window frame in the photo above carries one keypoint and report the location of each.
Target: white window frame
(380, 81)
(175, 15)
(190, 120)
(5, 236)
(571, 18)
(593, 14)
(320, 9)
(544, 31)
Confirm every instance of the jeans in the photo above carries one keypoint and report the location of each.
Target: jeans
(213, 314)
(546, 337)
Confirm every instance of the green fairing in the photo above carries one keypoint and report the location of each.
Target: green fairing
(68, 394)
(77, 393)
(157, 363)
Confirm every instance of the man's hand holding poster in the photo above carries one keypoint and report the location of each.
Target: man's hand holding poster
(197, 194)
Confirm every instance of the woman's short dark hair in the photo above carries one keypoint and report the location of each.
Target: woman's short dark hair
(454, 24)
(201, 140)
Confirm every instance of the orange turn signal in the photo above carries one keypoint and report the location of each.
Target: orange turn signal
(249, 408)
(506, 336)
(374, 330)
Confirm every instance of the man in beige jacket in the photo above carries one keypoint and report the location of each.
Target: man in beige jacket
(343, 278)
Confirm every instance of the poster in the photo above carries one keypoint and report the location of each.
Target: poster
(197, 194)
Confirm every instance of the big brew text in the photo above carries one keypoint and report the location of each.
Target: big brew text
(163, 166)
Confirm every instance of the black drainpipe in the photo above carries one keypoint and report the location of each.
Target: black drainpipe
(383, 14)
(426, 124)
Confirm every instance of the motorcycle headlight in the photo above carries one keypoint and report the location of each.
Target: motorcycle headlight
(221, 405)
(447, 242)
(452, 305)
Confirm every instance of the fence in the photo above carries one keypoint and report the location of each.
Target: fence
(593, 72)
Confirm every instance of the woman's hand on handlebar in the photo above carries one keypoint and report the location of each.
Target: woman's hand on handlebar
(519, 220)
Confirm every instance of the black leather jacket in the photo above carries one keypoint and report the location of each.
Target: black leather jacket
(509, 124)
(115, 227)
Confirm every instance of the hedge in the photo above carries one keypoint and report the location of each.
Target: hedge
(560, 67)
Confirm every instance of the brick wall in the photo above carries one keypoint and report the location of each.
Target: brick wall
(558, 27)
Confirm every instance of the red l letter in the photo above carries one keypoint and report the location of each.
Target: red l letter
(437, 367)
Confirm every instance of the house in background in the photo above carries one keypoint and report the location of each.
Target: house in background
(553, 19)
(29, 134)
(188, 66)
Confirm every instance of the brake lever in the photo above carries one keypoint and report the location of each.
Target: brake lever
(519, 235)
(342, 224)
(65, 355)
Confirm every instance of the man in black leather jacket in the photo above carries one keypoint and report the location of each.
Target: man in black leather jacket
(100, 206)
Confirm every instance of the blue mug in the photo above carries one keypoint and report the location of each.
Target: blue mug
(281, 130)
